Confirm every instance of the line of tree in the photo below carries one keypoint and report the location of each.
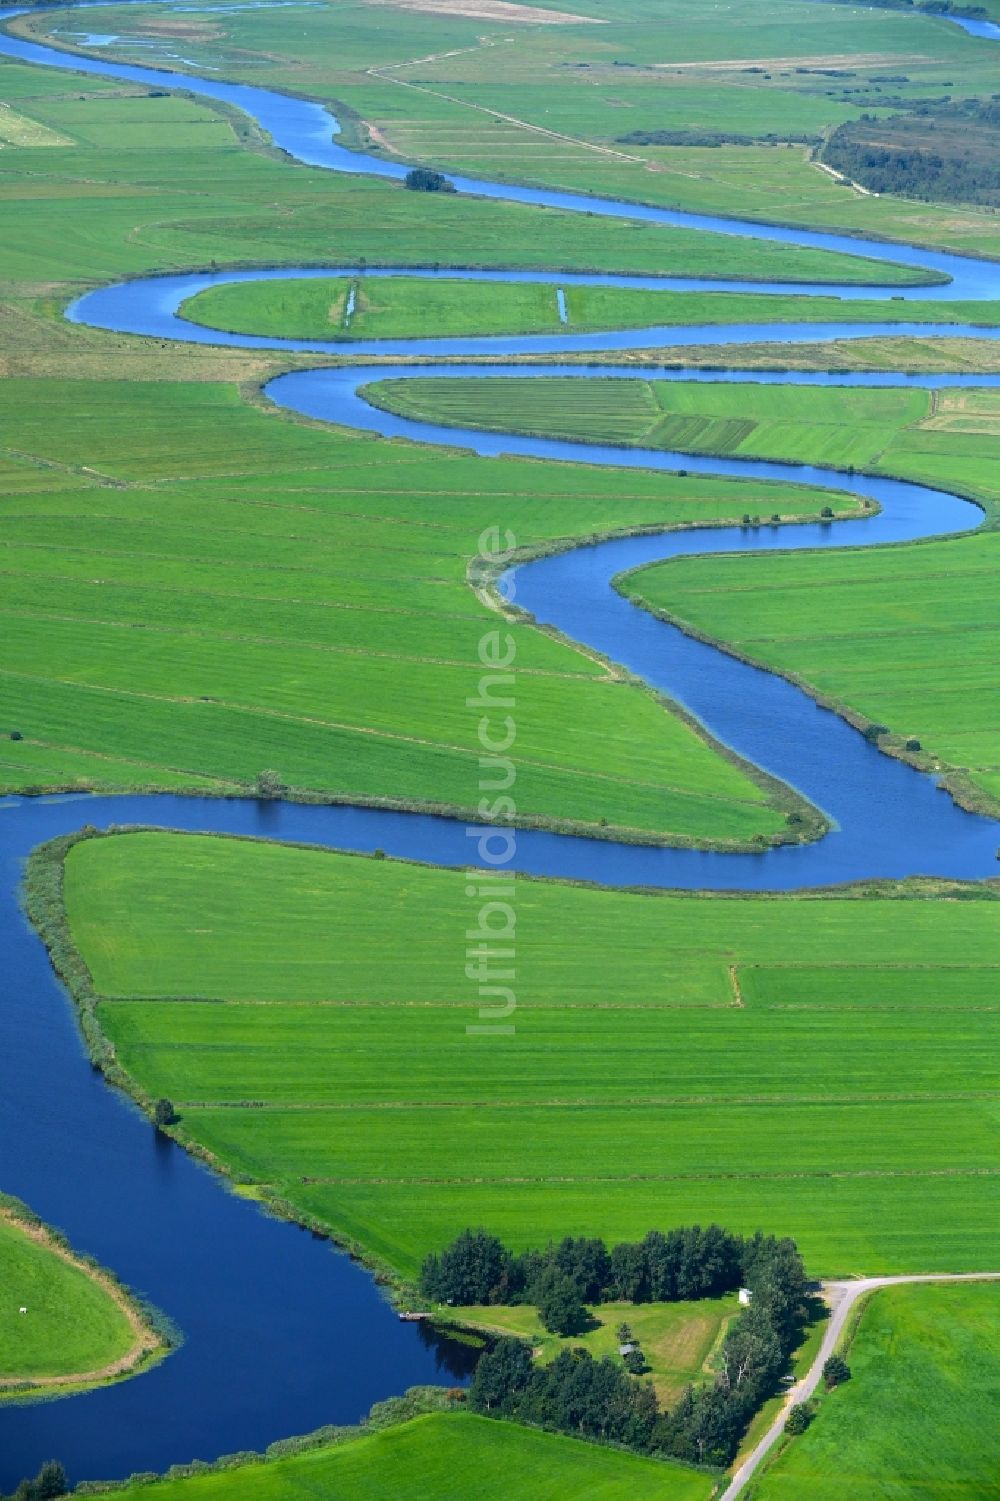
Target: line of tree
(598, 1399)
(663, 1267)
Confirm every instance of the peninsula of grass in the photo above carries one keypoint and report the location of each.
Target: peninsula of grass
(222, 589)
(904, 637)
(65, 1323)
(413, 307)
(820, 1065)
(916, 1418)
(440, 1456)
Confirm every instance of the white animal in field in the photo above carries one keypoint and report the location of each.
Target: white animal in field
(22, 1310)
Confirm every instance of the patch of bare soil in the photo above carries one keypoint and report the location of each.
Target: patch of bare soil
(494, 10)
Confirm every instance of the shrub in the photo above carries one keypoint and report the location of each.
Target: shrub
(49, 1483)
(268, 784)
(799, 1418)
(425, 180)
(836, 1371)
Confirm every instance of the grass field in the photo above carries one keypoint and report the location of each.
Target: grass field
(74, 1329)
(153, 183)
(677, 1339)
(552, 104)
(222, 589)
(310, 1024)
(906, 637)
(446, 1457)
(823, 425)
(426, 307)
(916, 1419)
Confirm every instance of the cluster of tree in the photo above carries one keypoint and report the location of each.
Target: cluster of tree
(710, 138)
(599, 1399)
(49, 1483)
(661, 1268)
(426, 180)
(940, 150)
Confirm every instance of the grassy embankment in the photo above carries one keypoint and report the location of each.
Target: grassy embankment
(550, 104)
(916, 1418)
(78, 1328)
(310, 1026)
(903, 637)
(415, 307)
(443, 1456)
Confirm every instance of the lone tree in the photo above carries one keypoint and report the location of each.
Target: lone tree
(836, 1371)
(426, 180)
(634, 1361)
(559, 1305)
(164, 1114)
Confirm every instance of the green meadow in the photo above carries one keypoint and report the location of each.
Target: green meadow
(558, 104)
(152, 183)
(310, 1025)
(916, 1420)
(446, 1456)
(222, 589)
(838, 425)
(72, 1326)
(196, 587)
(906, 637)
(419, 307)
(678, 1340)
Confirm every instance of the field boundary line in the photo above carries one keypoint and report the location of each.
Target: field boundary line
(496, 114)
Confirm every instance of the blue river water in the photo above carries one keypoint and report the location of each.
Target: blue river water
(320, 1343)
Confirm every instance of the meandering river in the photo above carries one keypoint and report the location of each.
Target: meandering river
(282, 1335)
